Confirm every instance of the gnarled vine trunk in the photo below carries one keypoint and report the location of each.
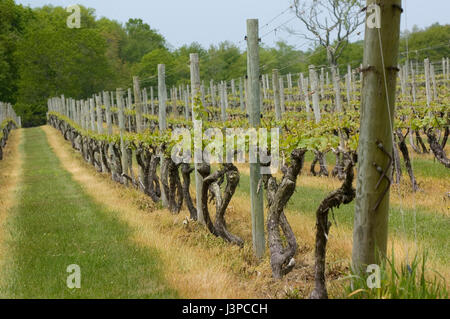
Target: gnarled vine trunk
(437, 148)
(282, 256)
(211, 184)
(344, 195)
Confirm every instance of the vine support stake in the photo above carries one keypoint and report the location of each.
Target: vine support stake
(256, 196)
(381, 46)
(162, 97)
(195, 88)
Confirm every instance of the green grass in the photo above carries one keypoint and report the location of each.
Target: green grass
(56, 224)
(427, 168)
(432, 229)
(421, 167)
(399, 282)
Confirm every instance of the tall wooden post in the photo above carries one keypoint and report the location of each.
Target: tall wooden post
(376, 141)
(336, 87)
(123, 148)
(241, 95)
(213, 96)
(99, 115)
(108, 112)
(315, 92)
(91, 113)
(276, 94)
(162, 96)
(256, 194)
(427, 81)
(195, 88)
(433, 81)
(152, 101)
(137, 104)
(282, 104)
(349, 85)
(223, 112)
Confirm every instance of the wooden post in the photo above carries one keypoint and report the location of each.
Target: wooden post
(129, 107)
(289, 78)
(264, 88)
(256, 194)
(233, 91)
(349, 85)
(246, 93)
(79, 113)
(337, 88)
(276, 94)
(306, 95)
(146, 109)
(92, 114)
(162, 96)
(186, 104)
(282, 104)
(152, 101)
(174, 104)
(162, 92)
(300, 88)
(195, 87)
(261, 99)
(377, 115)
(315, 92)
(108, 113)
(413, 84)
(123, 148)
(427, 81)
(241, 95)
(213, 95)
(433, 81)
(99, 115)
(223, 111)
(322, 95)
(225, 92)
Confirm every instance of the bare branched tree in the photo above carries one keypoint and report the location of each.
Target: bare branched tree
(330, 23)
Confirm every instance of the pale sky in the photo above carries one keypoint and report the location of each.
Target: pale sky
(212, 21)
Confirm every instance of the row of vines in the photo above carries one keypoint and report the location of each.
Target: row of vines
(315, 116)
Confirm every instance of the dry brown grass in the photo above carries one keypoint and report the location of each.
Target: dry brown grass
(10, 172)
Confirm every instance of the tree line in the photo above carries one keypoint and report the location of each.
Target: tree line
(41, 57)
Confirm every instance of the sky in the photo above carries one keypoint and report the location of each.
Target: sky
(211, 21)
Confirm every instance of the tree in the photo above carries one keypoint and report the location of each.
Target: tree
(115, 36)
(141, 39)
(147, 67)
(330, 23)
(432, 42)
(222, 62)
(54, 59)
(13, 19)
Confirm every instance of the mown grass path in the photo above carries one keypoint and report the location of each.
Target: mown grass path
(56, 224)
